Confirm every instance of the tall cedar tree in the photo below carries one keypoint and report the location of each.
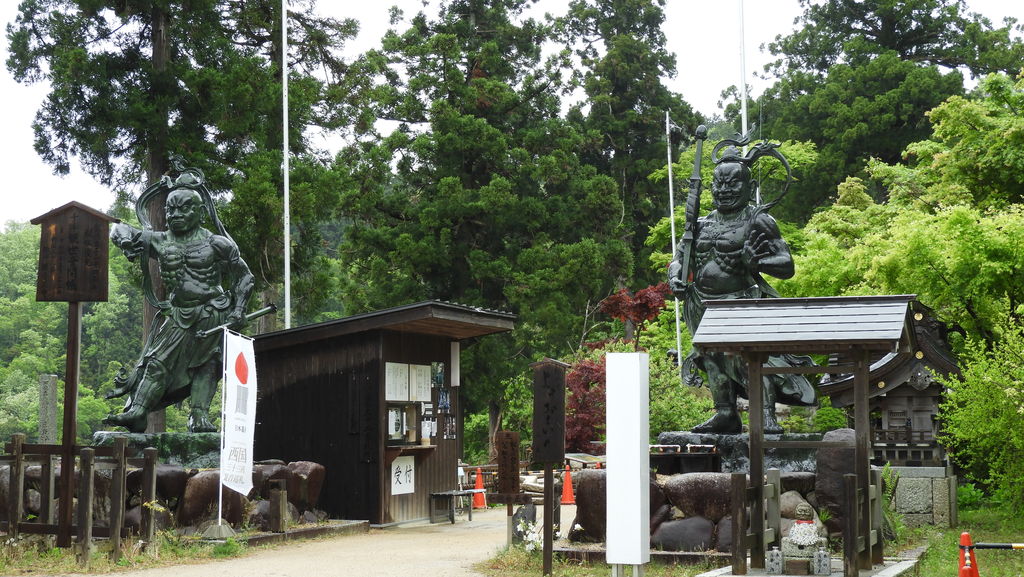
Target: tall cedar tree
(475, 192)
(135, 80)
(620, 46)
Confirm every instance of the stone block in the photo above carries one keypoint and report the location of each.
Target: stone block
(941, 506)
(913, 520)
(798, 566)
(914, 496)
(914, 472)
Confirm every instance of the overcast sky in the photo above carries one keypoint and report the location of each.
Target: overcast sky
(693, 27)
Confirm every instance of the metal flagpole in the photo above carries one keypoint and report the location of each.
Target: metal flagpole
(743, 89)
(672, 226)
(286, 169)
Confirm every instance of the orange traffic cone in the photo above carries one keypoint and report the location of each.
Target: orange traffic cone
(568, 498)
(479, 501)
(968, 563)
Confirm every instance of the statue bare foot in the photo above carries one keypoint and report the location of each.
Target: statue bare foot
(771, 425)
(724, 421)
(199, 422)
(133, 419)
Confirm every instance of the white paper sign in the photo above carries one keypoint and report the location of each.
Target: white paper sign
(238, 412)
(419, 383)
(396, 382)
(403, 475)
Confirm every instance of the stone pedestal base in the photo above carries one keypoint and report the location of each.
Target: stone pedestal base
(735, 450)
(198, 450)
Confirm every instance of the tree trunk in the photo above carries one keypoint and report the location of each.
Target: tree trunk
(157, 164)
(493, 426)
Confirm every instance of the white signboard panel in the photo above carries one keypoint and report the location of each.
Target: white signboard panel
(403, 475)
(628, 454)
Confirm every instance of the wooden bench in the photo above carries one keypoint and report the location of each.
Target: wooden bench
(443, 504)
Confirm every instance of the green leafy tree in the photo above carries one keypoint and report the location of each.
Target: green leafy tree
(133, 81)
(929, 32)
(474, 192)
(983, 415)
(852, 114)
(858, 77)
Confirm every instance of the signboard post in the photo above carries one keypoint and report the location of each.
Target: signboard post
(548, 436)
(72, 268)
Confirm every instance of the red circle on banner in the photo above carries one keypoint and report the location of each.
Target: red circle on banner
(241, 369)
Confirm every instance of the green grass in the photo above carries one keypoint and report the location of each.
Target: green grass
(517, 562)
(986, 525)
(29, 555)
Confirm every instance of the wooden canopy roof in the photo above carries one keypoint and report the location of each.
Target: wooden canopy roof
(806, 325)
(455, 321)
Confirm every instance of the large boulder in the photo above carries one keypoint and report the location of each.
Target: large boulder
(690, 534)
(265, 472)
(700, 494)
(259, 517)
(833, 463)
(723, 535)
(591, 508)
(801, 481)
(788, 502)
(305, 479)
(199, 502)
(591, 505)
(170, 483)
(133, 519)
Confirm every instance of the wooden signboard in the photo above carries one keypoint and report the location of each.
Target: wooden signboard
(73, 249)
(73, 269)
(508, 461)
(549, 411)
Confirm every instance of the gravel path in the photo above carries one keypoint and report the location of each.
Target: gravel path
(441, 550)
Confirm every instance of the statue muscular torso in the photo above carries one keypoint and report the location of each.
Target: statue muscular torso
(731, 249)
(192, 271)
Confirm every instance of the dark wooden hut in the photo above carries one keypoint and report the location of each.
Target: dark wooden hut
(905, 394)
(374, 398)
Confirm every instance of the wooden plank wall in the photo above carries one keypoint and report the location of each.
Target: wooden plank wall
(320, 402)
(435, 469)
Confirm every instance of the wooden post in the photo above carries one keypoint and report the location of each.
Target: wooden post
(117, 497)
(739, 523)
(877, 550)
(861, 461)
(16, 494)
(148, 495)
(85, 504)
(851, 524)
(773, 505)
(279, 506)
(755, 388)
(67, 455)
(47, 486)
(549, 508)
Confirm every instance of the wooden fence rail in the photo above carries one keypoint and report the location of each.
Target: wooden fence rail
(91, 459)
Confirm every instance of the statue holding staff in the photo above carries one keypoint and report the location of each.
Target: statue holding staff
(723, 256)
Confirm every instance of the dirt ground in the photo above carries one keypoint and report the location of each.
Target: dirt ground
(415, 550)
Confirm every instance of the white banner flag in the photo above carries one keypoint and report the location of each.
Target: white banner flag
(238, 413)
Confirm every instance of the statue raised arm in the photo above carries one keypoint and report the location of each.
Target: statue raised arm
(207, 284)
